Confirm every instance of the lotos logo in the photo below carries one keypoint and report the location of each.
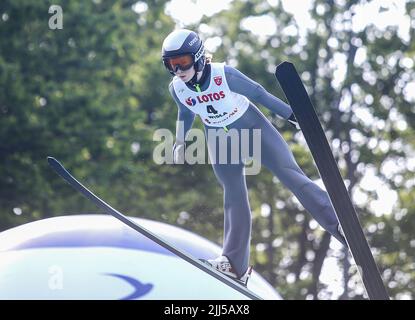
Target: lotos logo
(211, 97)
(218, 80)
(190, 101)
(205, 98)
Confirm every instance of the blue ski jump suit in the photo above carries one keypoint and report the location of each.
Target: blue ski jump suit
(275, 155)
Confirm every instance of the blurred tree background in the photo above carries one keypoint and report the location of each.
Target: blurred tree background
(93, 93)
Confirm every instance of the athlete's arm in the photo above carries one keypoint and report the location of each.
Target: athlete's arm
(240, 83)
(185, 118)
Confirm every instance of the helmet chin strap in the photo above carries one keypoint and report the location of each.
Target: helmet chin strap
(193, 81)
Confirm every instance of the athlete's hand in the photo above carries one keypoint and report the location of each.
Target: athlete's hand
(178, 152)
(293, 121)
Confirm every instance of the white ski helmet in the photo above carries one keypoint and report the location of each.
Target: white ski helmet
(183, 49)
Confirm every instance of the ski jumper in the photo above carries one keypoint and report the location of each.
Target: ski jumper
(223, 102)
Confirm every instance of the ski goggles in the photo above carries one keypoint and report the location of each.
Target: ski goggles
(183, 62)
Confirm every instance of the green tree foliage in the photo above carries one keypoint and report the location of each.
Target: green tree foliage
(87, 94)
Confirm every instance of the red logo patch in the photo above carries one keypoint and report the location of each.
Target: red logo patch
(218, 80)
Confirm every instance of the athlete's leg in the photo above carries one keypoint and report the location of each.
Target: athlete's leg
(276, 156)
(237, 213)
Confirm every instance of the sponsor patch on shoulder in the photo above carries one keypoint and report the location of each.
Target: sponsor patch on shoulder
(218, 80)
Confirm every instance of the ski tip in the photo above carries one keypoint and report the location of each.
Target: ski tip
(283, 66)
(284, 63)
(51, 160)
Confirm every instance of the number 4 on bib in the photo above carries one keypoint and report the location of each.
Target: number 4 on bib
(211, 109)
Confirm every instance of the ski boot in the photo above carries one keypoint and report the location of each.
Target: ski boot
(223, 265)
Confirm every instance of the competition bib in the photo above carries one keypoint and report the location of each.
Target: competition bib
(217, 106)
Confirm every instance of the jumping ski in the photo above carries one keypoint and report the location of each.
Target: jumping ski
(61, 171)
(313, 133)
